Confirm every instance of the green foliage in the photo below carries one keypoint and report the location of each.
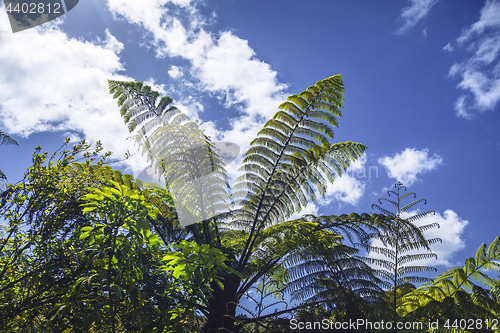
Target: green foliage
(122, 250)
(86, 248)
(90, 249)
(82, 251)
(197, 266)
(292, 159)
(333, 274)
(465, 292)
(41, 214)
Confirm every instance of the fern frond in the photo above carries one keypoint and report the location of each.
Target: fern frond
(420, 215)
(383, 210)
(178, 149)
(460, 284)
(5, 139)
(407, 207)
(294, 150)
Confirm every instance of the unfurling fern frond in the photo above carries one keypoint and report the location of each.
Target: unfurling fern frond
(402, 241)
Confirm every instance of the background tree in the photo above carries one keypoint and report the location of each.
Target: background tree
(42, 214)
(98, 267)
(401, 241)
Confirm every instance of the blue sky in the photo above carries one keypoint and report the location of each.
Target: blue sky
(422, 81)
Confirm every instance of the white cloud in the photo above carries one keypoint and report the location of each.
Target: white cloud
(480, 72)
(346, 189)
(488, 19)
(311, 208)
(409, 163)
(66, 78)
(174, 72)
(461, 110)
(159, 87)
(451, 228)
(182, 3)
(350, 187)
(51, 82)
(222, 64)
(424, 33)
(412, 14)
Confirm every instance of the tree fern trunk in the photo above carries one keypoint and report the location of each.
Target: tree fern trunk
(222, 307)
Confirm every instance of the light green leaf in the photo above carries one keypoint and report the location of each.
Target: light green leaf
(84, 235)
(89, 209)
(179, 270)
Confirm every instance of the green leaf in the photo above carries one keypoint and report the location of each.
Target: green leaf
(143, 224)
(179, 270)
(84, 235)
(221, 286)
(92, 196)
(153, 239)
(171, 256)
(89, 209)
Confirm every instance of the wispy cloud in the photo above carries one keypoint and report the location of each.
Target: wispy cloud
(408, 164)
(416, 11)
(448, 48)
(461, 110)
(218, 63)
(40, 92)
(480, 72)
(174, 72)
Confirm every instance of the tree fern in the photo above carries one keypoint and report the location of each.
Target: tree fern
(311, 250)
(290, 163)
(332, 273)
(401, 239)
